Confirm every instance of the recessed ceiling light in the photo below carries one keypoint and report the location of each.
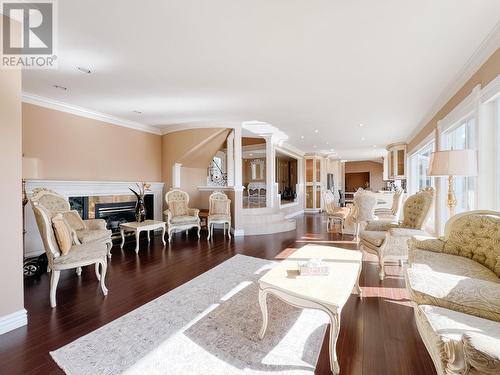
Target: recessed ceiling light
(60, 87)
(316, 131)
(374, 146)
(138, 112)
(361, 125)
(84, 70)
(362, 138)
(301, 137)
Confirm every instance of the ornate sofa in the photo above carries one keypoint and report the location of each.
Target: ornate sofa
(90, 230)
(179, 215)
(455, 282)
(46, 205)
(388, 240)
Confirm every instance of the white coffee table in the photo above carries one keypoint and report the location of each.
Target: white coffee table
(325, 293)
(137, 228)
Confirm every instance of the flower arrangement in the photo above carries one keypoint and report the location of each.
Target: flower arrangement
(140, 208)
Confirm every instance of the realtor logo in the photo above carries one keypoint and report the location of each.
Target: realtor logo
(28, 34)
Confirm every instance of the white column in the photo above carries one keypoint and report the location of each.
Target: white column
(440, 197)
(230, 159)
(238, 165)
(486, 145)
(270, 172)
(176, 175)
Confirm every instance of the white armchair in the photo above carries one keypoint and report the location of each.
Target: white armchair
(90, 230)
(219, 212)
(388, 240)
(392, 213)
(362, 210)
(179, 215)
(45, 207)
(334, 214)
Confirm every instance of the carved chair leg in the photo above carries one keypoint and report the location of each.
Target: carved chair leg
(97, 274)
(209, 232)
(104, 266)
(229, 230)
(109, 245)
(199, 229)
(54, 279)
(78, 271)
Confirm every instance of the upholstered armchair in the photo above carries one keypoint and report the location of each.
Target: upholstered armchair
(179, 215)
(455, 282)
(393, 212)
(388, 240)
(46, 207)
(219, 212)
(334, 214)
(362, 211)
(91, 230)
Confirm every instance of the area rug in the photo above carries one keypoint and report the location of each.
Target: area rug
(209, 325)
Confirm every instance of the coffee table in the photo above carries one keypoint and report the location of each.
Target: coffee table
(137, 228)
(326, 293)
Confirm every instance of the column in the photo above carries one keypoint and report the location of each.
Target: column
(176, 175)
(230, 159)
(270, 172)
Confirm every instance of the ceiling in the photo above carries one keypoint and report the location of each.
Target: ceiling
(324, 65)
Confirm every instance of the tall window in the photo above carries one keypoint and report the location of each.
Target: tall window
(419, 164)
(462, 137)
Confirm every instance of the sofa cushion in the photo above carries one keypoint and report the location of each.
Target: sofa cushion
(455, 283)
(445, 332)
(82, 254)
(93, 235)
(373, 237)
(217, 217)
(184, 219)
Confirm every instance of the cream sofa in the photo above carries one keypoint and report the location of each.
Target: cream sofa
(454, 281)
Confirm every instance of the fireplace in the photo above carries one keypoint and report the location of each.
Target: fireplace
(114, 209)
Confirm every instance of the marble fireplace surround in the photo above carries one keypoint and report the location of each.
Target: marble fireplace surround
(33, 241)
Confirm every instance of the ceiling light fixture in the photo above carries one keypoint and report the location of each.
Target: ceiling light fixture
(138, 112)
(60, 87)
(301, 137)
(316, 131)
(362, 138)
(84, 70)
(361, 125)
(374, 146)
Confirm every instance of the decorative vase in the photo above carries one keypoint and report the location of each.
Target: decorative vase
(140, 210)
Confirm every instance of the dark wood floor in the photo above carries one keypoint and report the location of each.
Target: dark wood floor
(377, 336)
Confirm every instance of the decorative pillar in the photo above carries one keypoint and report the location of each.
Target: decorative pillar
(176, 175)
(230, 159)
(270, 171)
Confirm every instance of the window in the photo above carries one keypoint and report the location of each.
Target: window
(419, 164)
(462, 137)
(497, 118)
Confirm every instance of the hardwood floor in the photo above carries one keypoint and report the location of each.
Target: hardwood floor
(377, 336)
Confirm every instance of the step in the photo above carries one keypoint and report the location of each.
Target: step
(263, 218)
(269, 228)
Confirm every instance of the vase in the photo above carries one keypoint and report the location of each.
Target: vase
(140, 210)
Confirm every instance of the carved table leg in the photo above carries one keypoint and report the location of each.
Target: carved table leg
(122, 233)
(263, 309)
(137, 235)
(163, 235)
(334, 334)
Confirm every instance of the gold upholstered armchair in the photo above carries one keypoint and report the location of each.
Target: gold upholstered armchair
(49, 209)
(388, 240)
(179, 215)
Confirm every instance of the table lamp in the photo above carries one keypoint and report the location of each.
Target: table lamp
(453, 163)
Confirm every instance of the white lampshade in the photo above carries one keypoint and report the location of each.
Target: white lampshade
(453, 163)
(30, 168)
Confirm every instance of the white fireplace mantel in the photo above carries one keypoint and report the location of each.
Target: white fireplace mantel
(33, 241)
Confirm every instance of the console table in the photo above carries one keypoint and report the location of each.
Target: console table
(137, 228)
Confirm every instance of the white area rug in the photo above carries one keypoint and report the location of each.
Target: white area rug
(206, 326)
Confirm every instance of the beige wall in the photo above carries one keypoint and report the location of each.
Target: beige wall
(11, 248)
(72, 147)
(488, 71)
(376, 172)
(191, 178)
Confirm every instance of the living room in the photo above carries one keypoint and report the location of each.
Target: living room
(318, 184)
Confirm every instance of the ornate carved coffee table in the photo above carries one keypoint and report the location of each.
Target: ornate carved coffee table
(137, 228)
(326, 293)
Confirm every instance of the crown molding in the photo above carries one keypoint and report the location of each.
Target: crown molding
(84, 112)
(490, 44)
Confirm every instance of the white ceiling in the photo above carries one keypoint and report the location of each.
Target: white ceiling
(325, 65)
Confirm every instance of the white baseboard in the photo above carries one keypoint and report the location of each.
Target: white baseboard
(13, 321)
(237, 232)
(293, 214)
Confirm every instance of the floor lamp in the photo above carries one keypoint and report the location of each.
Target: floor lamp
(452, 163)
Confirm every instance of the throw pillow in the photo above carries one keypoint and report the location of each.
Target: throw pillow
(74, 220)
(62, 232)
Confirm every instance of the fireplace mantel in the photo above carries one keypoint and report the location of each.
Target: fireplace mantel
(33, 241)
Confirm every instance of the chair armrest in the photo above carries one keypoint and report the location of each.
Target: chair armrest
(426, 243)
(482, 353)
(405, 232)
(93, 224)
(381, 226)
(193, 211)
(168, 214)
